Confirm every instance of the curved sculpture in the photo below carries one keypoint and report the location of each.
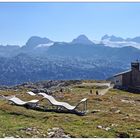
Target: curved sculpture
(31, 93)
(67, 106)
(18, 101)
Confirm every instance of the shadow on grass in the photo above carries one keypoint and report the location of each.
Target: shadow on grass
(44, 109)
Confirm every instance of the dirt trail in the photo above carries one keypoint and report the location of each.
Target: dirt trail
(104, 91)
(101, 91)
(97, 84)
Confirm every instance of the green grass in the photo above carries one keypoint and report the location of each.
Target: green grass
(14, 118)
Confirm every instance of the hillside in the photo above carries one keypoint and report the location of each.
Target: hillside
(114, 114)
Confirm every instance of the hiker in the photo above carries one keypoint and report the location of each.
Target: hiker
(97, 92)
(91, 91)
(61, 90)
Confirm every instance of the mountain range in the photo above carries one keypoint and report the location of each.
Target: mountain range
(44, 59)
(114, 41)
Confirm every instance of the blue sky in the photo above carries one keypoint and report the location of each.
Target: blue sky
(65, 21)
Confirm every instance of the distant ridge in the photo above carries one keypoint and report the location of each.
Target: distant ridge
(35, 40)
(82, 39)
(112, 38)
(43, 59)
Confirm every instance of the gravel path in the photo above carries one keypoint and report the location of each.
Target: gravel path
(97, 84)
(104, 91)
(101, 91)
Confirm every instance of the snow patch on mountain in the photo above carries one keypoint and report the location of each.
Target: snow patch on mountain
(120, 44)
(44, 45)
